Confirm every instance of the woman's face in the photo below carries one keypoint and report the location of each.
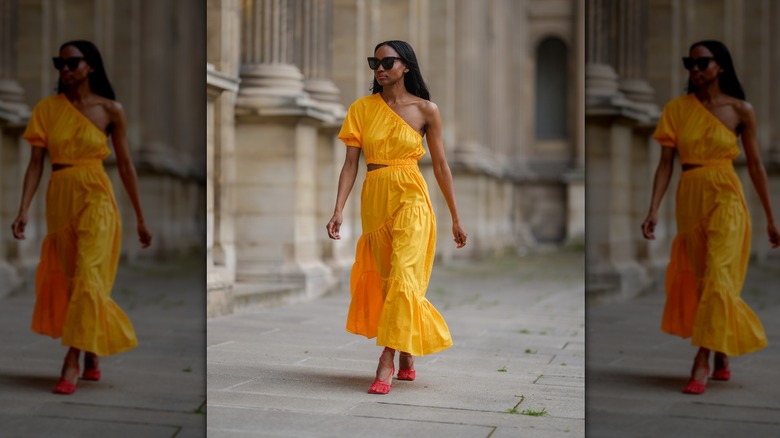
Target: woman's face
(394, 74)
(76, 76)
(710, 73)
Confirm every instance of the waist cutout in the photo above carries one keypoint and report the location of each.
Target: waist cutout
(709, 163)
(83, 163)
(391, 163)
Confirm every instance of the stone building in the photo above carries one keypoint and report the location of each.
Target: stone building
(154, 57)
(632, 68)
(506, 75)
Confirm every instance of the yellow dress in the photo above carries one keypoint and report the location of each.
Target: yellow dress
(395, 254)
(710, 252)
(80, 252)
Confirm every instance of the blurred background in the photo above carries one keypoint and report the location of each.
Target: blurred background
(506, 75)
(154, 57)
(632, 68)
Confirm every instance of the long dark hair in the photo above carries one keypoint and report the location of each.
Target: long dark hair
(728, 81)
(98, 80)
(413, 81)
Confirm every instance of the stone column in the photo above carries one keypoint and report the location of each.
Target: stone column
(189, 144)
(467, 148)
(314, 58)
(276, 155)
(13, 115)
(11, 93)
(220, 276)
(472, 161)
(575, 178)
(619, 114)
(156, 158)
(313, 55)
(268, 73)
(631, 53)
(601, 80)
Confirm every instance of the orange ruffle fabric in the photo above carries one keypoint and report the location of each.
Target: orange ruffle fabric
(395, 254)
(80, 252)
(711, 249)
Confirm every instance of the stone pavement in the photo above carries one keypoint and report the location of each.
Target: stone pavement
(518, 330)
(636, 373)
(155, 390)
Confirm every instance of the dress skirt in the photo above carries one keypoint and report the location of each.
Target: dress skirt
(708, 264)
(78, 264)
(393, 263)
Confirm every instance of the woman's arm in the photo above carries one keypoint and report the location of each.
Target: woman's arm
(346, 181)
(127, 169)
(32, 177)
(756, 167)
(440, 167)
(663, 173)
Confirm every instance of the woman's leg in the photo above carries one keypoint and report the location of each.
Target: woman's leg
(721, 365)
(699, 372)
(384, 372)
(406, 369)
(91, 367)
(91, 361)
(70, 372)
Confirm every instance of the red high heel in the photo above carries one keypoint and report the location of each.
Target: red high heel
(407, 373)
(65, 387)
(694, 387)
(380, 387)
(722, 374)
(93, 374)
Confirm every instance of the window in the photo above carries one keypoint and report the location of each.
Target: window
(551, 89)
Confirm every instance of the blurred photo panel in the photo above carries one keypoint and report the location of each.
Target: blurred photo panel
(681, 189)
(102, 203)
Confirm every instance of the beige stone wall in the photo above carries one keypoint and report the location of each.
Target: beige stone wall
(274, 141)
(153, 56)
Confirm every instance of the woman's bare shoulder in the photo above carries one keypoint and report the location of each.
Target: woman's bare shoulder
(743, 108)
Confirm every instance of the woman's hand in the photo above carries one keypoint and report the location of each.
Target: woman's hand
(18, 226)
(648, 226)
(334, 226)
(144, 235)
(774, 235)
(460, 235)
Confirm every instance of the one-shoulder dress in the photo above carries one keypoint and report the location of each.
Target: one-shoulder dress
(80, 252)
(395, 253)
(710, 252)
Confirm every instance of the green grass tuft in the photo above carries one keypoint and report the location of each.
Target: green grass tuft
(533, 413)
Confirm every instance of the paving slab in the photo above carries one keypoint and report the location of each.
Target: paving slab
(636, 372)
(157, 389)
(518, 331)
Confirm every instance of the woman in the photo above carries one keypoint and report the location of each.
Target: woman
(395, 253)
(711, 250)
(80, 252)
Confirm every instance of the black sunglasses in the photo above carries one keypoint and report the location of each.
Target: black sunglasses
(72, 62)
(386, 62)
(701, 62)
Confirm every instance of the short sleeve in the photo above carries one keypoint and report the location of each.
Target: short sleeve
(350, 130)
(35, 133)
(666, 130)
